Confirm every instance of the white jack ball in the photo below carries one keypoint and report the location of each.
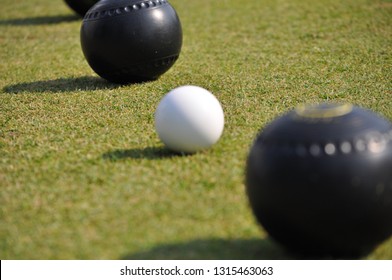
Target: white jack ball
(189, 119)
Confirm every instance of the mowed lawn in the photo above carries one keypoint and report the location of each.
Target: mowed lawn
(83, 174)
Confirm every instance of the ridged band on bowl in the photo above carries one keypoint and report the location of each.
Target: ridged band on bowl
(143, 5)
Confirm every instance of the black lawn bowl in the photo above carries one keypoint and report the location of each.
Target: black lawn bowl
(319, 180)
(127, 41)
(81, 6)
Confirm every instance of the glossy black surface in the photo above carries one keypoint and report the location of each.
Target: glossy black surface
(81, 6)
(127, 41)
(322, 186)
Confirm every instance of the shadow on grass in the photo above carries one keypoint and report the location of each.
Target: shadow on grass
(215, 249)
(40, 20)
(151, 153)
(61, 85)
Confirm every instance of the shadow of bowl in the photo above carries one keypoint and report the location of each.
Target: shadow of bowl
(62, 85)
(41, 20)
(215, 249)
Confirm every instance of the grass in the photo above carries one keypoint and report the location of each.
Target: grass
(82, 172)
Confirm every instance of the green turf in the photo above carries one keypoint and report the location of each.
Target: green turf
(82, 172)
